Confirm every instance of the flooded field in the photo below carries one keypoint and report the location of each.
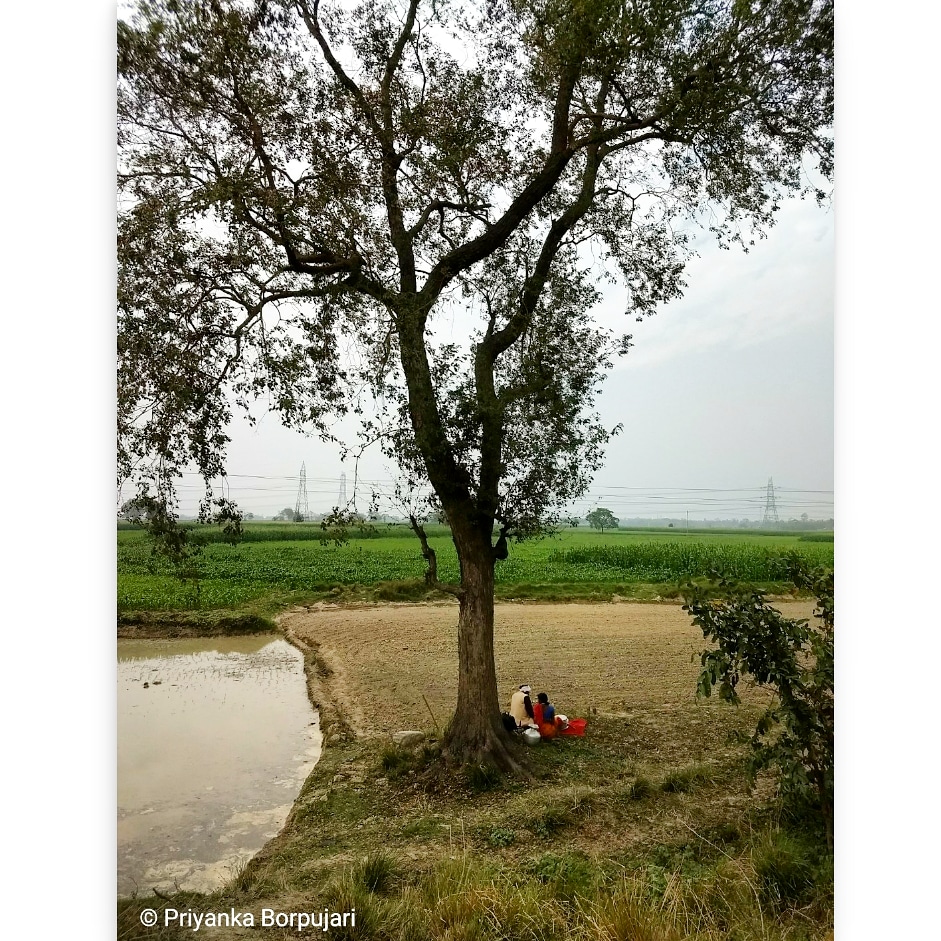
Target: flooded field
(215, 738)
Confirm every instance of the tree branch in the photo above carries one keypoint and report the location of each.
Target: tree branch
(431, 574)
(560, 153)
(313, 27)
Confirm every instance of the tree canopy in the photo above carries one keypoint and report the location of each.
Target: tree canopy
(407, 209)
(602, 518)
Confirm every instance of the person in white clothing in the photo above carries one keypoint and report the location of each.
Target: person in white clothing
(521, 708)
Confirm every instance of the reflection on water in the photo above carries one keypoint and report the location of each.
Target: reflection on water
(215, 738)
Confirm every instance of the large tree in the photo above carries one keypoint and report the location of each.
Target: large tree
(602, 518)
(418, 199)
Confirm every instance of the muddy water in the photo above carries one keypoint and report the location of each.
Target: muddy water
(215, 738)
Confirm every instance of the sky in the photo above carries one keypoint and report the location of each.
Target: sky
(725, 389)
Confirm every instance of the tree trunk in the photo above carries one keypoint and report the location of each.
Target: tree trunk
(476, 734)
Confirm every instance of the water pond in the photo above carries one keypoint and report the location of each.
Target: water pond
(215, 739)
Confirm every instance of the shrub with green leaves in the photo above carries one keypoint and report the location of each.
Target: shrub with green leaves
(794, 658)
(501, 836)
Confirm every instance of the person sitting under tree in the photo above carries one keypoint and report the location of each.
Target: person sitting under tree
(548, 723)
(521, 707)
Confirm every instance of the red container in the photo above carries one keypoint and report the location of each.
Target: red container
(575, 727)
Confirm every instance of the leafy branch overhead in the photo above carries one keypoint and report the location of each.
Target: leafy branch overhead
(298, 179)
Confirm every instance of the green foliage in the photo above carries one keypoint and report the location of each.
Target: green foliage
(661, 561)
(794, 658)
(276, 557)
(180, 547)
(501, 836)
(602, 518)
(569, 875)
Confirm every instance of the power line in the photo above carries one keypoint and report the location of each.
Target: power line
(651, 502)
(389, 482)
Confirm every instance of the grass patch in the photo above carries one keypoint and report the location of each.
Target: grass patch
(458, 863)
(790, 869)
(482, 778)
(412, 589)
(685, 779)
(568, 875)
(376, 872)
(640, 789)
(551, 819)
(501, 836)
(192, 623)
(397, 761)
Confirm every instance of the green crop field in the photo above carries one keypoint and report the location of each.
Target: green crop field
(275, 561)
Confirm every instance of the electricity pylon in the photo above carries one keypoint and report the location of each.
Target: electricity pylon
(771, 507)
(301, 511)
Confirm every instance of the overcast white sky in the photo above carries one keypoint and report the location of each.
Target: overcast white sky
(724, 389)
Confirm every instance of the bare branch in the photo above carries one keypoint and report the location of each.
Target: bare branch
(431, 574)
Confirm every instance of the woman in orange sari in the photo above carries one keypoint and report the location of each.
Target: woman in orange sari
(548, 726)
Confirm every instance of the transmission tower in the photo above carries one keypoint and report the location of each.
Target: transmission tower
(771, 507)
(341, 499)
(301, 510)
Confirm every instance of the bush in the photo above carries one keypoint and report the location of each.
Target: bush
(792, 657)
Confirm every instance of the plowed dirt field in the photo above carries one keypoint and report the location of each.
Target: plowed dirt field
(623, 658)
